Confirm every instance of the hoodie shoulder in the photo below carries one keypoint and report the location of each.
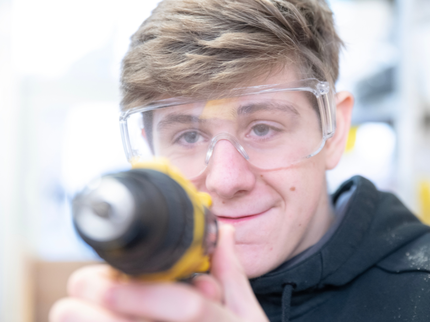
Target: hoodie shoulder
(414, 256)
(376, 226)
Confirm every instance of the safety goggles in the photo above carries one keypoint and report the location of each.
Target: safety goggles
(271, 126)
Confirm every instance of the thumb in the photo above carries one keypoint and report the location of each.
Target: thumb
(227, 269)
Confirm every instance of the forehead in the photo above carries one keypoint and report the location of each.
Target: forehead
(277, 75)
(293, 103)
(227, 105)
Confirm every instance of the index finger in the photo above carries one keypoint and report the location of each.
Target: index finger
(173, 302)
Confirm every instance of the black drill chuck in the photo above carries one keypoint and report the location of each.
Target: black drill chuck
(141, 221)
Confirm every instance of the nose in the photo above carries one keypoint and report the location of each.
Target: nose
(229, 174)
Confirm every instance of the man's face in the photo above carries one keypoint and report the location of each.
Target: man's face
(276, 213)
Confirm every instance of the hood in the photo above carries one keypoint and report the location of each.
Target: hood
(375, 225)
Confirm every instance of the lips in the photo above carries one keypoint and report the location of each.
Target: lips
(239, 219)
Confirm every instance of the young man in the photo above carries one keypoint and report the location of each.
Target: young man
(245, 107)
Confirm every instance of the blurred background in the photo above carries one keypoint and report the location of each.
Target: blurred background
(59, 97)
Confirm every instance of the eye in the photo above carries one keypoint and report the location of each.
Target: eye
(191, 137)
(265, 131)
(261, 129)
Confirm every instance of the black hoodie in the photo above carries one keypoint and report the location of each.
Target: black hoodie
(374, 267)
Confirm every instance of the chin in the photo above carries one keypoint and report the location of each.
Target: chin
(253, 272)
(254, 262)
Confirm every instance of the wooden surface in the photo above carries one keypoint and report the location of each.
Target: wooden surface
(50, 280)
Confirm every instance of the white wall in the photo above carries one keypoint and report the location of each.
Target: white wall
(14, 305)
(414, 88)
(55, 56)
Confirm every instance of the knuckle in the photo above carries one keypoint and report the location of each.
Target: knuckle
(107, 298)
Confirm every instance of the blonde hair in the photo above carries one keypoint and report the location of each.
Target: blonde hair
(200, 47)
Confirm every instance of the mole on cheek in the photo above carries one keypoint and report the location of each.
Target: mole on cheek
(293, 188)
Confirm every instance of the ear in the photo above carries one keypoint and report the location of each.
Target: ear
(144, 134)
(335, 146)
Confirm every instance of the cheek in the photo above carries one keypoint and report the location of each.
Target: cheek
(300, 186)
(300, 189)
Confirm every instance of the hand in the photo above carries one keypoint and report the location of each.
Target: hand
(224, 295)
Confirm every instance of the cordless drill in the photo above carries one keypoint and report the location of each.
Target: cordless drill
(149, 223)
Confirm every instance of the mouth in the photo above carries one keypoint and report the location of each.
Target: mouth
(239, 219)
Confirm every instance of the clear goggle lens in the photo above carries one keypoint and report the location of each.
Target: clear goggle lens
(272, 128)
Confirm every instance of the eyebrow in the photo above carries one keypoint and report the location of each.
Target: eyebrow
(255, 107)
(176, 118)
